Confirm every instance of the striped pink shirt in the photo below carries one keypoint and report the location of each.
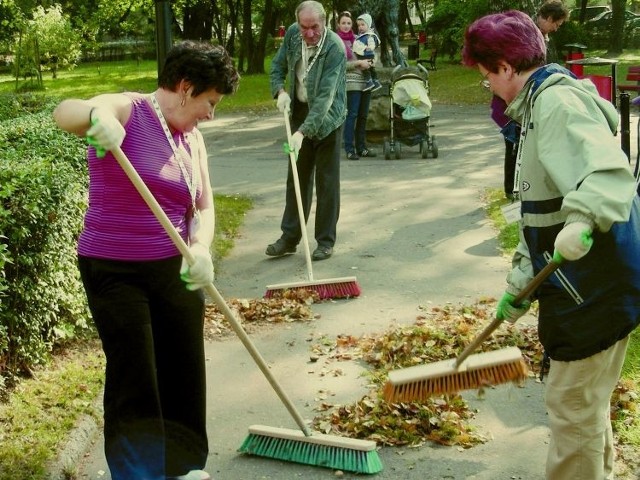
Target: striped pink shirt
(118, 224)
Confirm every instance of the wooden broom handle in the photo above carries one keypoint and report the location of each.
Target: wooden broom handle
(529, 288)
(296, 184)
(155, 207)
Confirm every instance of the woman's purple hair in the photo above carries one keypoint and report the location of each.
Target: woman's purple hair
(508, 36)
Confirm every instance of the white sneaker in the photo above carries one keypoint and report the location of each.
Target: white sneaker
(195, 475)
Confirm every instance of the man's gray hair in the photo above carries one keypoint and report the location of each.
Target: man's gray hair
(317, 8)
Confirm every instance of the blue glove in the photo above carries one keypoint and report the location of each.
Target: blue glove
(506, 310)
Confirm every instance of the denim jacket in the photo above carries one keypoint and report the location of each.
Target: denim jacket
(326, 88)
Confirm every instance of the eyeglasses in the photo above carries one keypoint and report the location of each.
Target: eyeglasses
(485, 82)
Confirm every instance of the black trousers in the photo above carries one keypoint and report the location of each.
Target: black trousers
(319, 159)
(151, 329)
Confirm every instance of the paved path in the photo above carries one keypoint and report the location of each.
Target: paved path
(414, 233)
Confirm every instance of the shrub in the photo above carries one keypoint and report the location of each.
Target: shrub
(43, 185)
(14, 106)
(570, 33)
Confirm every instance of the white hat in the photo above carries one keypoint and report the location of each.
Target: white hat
(366, 18)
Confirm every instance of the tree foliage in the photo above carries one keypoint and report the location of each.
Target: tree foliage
(11, 22)
(57, 42)
(248, 28)
(450, 18)
(46, 41)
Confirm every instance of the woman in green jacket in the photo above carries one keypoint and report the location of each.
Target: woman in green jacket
(579, 207)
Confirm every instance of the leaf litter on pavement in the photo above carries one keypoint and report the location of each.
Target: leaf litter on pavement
(437, 333)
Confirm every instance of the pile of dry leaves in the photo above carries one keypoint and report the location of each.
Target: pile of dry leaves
(439, 333)
(288, 306)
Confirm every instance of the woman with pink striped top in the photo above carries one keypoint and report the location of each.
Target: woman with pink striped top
(146, 302)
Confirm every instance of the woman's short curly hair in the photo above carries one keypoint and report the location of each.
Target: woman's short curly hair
(510, 36)
(203, 65)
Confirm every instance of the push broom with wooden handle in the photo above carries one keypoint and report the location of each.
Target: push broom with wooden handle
(329, 288)
(467, 371)
(301, 446)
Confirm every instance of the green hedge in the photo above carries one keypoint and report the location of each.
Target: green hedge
(43, 185)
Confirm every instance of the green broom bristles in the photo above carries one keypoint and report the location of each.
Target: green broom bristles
(321, 450)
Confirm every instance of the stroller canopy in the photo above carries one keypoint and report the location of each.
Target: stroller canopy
(411, 94)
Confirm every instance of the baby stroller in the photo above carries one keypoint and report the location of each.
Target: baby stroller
(409, 113)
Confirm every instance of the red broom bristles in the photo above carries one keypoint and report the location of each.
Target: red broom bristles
(324, 291)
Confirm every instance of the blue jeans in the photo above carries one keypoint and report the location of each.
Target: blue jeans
(355, 125)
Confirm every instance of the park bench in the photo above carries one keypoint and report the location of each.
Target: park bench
(430, 63)
(632, 76)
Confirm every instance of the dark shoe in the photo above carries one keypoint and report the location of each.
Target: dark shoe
(376, 86)
(368, 86)
(322, 253)
(367, 153)
(353, 156)
(280, 248)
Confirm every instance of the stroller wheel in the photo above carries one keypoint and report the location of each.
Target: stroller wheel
(398, 151)
(434, 147)
(424, 149)
(386, 148)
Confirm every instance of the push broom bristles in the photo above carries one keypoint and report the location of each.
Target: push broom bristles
(326, 289)
(321, 450)
(481, 370)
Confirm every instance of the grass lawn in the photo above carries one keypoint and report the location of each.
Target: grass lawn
(42, 410)
(450, 83)
(90, 79)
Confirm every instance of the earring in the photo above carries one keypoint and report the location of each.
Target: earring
(184, 101)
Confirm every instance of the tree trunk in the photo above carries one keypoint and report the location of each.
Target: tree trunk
(247, 35)
(583, 11)
(423, 20)
(617, 27)
(233, 7)
(197, 20)
(405, 16)
(256, 58)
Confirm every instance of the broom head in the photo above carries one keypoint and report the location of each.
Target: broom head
(480, 370)
(331, 288)
(318, 449)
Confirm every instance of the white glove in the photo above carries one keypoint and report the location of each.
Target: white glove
(296, 142)
(574, 240)
(284, 102)
(200, 274)
(106, 132)
(507, 311)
